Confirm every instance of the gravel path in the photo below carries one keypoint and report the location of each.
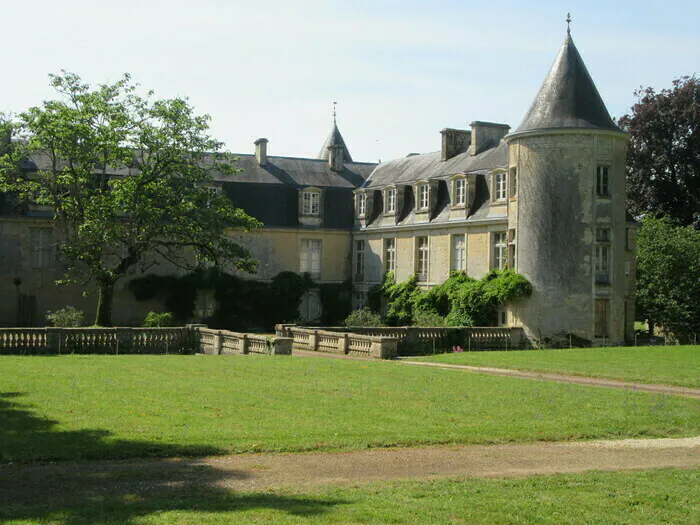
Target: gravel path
(259, 472)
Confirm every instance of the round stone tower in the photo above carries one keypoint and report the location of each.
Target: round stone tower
(567, 218)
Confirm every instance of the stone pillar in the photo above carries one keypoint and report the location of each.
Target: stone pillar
(343, 343)
(244, 344)
(282, 345)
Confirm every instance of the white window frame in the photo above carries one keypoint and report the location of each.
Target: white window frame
(459, 190)
(360, 259)
(423, 197)
(310, 252)
(499, 186)
(311, 203)
(423, 257)
(390, 254)
(42, 248)
(499, 250)
(390, 200)
(459, 253)
(361, 204)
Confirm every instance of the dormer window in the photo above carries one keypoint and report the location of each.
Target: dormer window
(460, 192)
(311, 203)
(361, 204)
(423, 197)
(499, 186)
(390, 200)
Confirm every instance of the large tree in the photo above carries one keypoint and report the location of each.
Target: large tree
(663, 161)
(668, 267)
(129, 180)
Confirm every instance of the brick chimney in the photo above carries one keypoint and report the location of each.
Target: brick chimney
(261, 151)
(454, 142)
(486, 135)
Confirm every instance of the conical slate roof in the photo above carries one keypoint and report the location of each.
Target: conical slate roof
(334, 139)
(568, 97)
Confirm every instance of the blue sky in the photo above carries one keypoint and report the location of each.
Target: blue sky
(400, 70)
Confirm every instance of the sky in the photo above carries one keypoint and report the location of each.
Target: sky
(400, 71)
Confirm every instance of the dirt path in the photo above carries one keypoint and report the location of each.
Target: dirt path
(255, 472)
(541, 376)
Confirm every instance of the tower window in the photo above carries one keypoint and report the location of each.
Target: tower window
(513, 183)
(602, 255)
(603, 180)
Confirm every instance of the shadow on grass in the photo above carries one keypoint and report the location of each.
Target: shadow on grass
(103, 492)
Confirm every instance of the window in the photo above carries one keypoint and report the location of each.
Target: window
(423, 198)
(360, 300)
(422, 259)
(459, 262)
(513, 182)
(460, 192)
(311, 203)
(601, 318)
(390, 255)
(602, 255)
(359, 259)
(361, 204)
(41, 248)
(499, 186)
(603, 180)
(205, 304)
(391, 200)
(310, 257)
(499, 250)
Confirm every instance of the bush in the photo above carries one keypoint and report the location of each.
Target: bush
(158, 320)
(427, 318)
(68, 317)
(364, 317)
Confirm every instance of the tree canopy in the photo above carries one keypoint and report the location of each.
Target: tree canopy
(668, 267)
(663, 160)
(129, 180)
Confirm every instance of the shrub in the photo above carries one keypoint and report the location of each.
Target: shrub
(427, 318)
(158, 320)
(68, 317)
(364, 317)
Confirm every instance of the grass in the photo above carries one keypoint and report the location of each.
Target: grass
(653, 496)
(111, 407)
(671, 365)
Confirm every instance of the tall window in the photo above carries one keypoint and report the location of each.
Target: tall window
(499, 250)
(391, 200)
(602, 255)
(361, 204)
(460, 191)
(311, 203)
(603, 180)
(423, 258)
(601, 318)
(359, 259)
(423, 198)
(41, 248)
(459, 262)
(390, 255)
(499, 186)
(513, 182)
(310, 257)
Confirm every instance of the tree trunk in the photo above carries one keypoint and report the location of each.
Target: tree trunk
(104, 304)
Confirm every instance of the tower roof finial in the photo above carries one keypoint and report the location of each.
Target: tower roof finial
(568, 23)
(334, 105)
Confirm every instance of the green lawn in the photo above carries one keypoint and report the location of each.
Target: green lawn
(653, 496)
(109, 407)
(671, 365)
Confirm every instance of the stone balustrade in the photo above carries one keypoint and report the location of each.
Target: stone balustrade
(179, 340)
(343, 343)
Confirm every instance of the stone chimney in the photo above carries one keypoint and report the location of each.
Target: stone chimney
(454, 142)
(486, 135)
(261, 151)
(335, 157)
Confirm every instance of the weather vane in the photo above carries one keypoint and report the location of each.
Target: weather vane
(334, 105)
(568, 23)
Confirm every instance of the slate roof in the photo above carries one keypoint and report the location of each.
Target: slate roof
(334, 138)
(568, 97)
(408, 170)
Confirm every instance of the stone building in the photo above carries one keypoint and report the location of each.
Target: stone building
(547, 199)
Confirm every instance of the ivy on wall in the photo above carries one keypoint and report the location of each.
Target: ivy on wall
(243, 304)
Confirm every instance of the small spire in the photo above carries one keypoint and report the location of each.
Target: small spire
(568, 23)
(334, 105)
